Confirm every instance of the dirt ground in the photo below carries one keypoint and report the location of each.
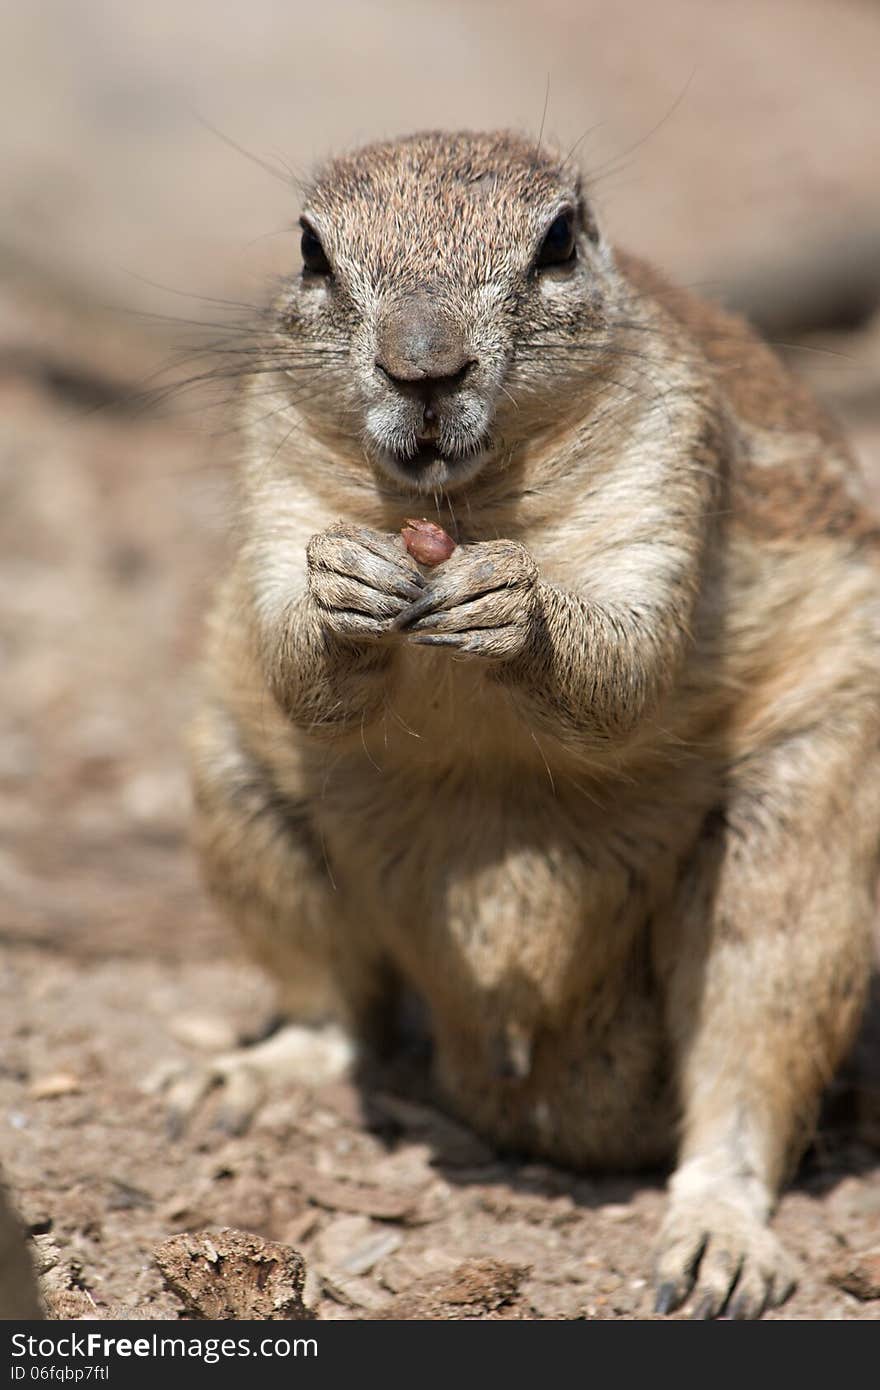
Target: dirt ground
(113, 513)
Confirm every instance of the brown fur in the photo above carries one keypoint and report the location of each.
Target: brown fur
(602, 788)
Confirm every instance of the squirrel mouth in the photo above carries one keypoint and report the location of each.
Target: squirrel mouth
(428, 467)
(425, 454)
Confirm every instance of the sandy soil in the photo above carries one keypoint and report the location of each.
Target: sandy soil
(112, 518)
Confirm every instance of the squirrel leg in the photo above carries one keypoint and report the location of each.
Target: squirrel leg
(264, 863)
(765, 960)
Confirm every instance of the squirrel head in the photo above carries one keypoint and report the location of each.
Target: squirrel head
(449, 283)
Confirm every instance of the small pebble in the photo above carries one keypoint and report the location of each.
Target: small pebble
(60, 1083)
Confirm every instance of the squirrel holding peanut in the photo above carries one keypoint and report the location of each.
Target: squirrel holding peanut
(545, 686)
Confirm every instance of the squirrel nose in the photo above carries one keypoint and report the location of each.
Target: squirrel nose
(418, 345)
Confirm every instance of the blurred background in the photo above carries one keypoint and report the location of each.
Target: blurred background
(737, 145)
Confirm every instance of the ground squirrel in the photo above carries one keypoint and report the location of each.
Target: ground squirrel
(601, 789)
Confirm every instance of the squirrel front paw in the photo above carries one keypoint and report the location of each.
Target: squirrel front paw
(360, 580)
(482, 601)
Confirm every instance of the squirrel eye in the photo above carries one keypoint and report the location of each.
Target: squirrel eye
(558, 246)
(313, 253)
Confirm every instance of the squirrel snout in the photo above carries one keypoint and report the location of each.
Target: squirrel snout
(419, 346)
